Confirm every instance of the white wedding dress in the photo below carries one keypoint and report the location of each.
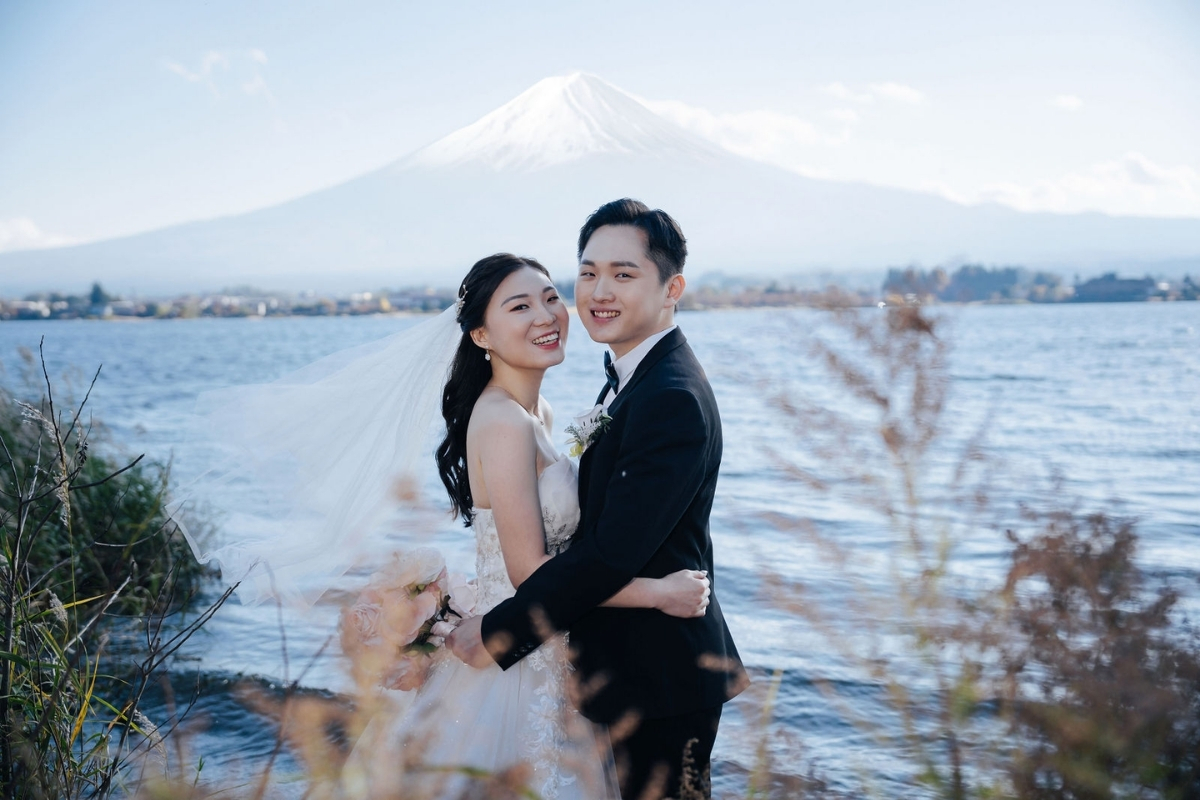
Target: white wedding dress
(491, 720)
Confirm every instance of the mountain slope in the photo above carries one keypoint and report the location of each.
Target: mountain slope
(524, 177)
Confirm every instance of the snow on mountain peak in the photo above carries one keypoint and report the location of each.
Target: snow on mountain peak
(558, 120)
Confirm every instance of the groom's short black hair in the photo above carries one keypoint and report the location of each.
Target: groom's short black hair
(665, 244)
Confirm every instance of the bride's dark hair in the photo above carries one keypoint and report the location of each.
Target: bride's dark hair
(470, 373)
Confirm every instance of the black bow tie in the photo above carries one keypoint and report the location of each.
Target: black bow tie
(610, 373)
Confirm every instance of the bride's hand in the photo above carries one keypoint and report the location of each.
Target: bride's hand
(684, 593)
(466, 642)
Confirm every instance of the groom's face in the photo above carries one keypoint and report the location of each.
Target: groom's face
(620, 298)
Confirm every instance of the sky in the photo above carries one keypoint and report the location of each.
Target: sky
(122, 117)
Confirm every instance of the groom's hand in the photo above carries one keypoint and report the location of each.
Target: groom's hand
(466, 642)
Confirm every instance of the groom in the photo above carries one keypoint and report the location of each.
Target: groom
(646, 489)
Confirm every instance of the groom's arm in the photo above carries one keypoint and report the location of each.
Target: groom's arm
(659, 469)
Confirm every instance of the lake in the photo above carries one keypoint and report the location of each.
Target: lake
(1094, 405)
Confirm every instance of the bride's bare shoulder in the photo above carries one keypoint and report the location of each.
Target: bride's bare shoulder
(496, 413)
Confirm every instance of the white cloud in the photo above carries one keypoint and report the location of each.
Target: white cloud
(204, 75)
(888, 90)
(769, 136)
(22, 233)
(842, 92)
(898, 92)
(246, 62)
(947, 191)
(258, 86)
(1131, 184)
(1068, 102)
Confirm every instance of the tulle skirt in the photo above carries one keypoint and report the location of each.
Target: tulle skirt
(465, 727)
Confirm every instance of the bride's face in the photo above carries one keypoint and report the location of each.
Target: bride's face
(525, 325)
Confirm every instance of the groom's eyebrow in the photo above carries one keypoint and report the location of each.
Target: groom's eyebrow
(626, 264)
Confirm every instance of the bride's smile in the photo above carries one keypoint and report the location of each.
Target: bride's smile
(525, 325)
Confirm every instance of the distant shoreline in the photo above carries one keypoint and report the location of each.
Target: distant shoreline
(683, 309)
(970, 284)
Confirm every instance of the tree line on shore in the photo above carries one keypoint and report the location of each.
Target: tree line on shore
(978, 283)
(970, 283)
(235, 302)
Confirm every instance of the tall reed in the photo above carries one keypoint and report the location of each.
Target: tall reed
(85, 543)
(1067, 676)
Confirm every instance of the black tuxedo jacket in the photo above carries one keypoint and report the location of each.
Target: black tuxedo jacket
(645, 489)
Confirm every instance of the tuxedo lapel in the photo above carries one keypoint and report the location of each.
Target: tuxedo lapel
(671, 341)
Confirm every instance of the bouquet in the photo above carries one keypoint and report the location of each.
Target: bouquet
(399, 621)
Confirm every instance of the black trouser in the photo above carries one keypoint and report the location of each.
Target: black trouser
(650, 762)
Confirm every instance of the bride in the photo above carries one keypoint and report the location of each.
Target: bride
(504, 477)
(508, 481)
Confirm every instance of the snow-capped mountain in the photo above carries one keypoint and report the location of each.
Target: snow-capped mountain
(559, 120)
(524, 177)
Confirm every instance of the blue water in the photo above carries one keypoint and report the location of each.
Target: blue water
(1087, 405)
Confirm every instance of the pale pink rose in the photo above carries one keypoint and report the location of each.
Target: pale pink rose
(403, 617)
(420, 566)
(462, 595)
(440, 583)
(409, 672)
(398, 606)
(370, 655)
(360, 623)
(363, 619)
(428, 602)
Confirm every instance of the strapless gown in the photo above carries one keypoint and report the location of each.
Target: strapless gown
(492, 720)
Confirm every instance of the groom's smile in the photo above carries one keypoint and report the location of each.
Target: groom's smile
(619, 292)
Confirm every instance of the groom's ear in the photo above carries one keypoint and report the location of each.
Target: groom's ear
(675, 287)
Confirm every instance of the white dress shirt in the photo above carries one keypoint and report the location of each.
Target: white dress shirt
(627, 364)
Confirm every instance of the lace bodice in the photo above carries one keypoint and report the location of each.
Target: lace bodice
(557, 488)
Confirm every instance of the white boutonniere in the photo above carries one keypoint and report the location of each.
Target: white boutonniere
(587, 430)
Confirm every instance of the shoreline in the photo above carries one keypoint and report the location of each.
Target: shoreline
(814, 303)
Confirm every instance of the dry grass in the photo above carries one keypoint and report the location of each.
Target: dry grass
(1066, 678)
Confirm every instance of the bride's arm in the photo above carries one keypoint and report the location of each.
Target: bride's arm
(508, 465)
(680, 594)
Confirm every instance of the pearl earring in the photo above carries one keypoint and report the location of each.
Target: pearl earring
(487, 355)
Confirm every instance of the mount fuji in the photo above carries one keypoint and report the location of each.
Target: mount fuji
(524, 177)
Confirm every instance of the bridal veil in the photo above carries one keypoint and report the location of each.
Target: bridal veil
(309, 464)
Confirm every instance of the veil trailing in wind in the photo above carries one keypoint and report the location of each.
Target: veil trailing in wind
(317, 459)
